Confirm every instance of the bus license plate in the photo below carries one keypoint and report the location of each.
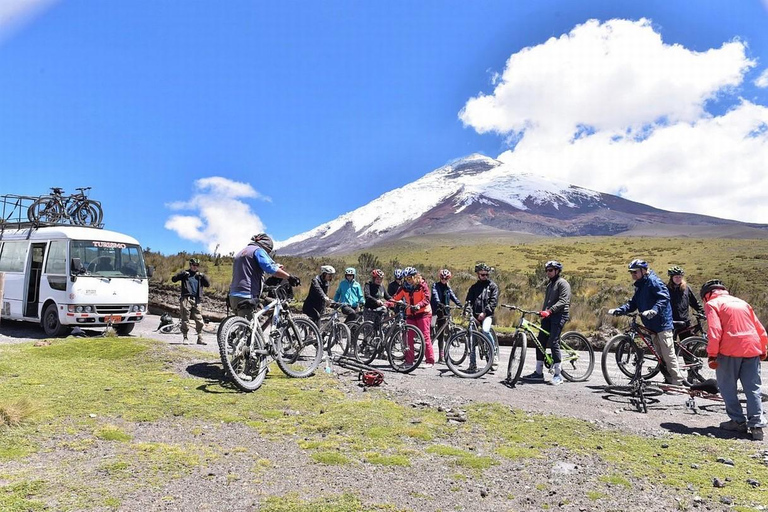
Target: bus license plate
(112, 318)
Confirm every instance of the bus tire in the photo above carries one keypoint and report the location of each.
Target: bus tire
(51, 324)
(124, 329)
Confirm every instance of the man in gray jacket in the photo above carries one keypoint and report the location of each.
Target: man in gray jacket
(554, 315)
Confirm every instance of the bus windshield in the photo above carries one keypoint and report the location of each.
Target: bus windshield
(109, 259)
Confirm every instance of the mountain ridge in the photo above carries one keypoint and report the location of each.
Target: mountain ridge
(478, 192)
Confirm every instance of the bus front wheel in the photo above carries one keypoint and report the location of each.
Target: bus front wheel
(51, 324)
(124, 329)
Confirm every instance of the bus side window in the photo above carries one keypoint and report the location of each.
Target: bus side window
(57, 258)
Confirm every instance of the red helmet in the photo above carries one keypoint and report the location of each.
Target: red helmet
(377, 273)
(371, 378)
(445, 274)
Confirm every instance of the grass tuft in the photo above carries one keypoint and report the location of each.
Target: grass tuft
(14, 413)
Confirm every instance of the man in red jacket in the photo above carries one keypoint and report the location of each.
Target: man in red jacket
(737, 343)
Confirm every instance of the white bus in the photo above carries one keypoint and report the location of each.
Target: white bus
(67, 276)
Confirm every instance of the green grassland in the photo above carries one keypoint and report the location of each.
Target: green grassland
(595, 266)
(94, 396)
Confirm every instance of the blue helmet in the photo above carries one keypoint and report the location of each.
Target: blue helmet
(409, 271)
(350, 270)
(398, 273)
(638, 264)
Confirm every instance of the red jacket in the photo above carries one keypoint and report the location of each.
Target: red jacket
(418, 297)
(733, 330)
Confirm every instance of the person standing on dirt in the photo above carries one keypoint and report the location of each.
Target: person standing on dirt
(682, 298)
(737, 343)
(482, 298)
(418, 313)
(651, 298)
(248, 269)
(554, 315)
(350, 294)
(192, 283)
(317, 297)
(442, 295)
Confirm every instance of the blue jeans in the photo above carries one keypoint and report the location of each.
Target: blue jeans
(730, 370)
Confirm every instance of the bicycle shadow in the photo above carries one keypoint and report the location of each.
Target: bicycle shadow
(711, 431)
(214, 374)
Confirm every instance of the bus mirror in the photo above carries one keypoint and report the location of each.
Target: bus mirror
(150, 271)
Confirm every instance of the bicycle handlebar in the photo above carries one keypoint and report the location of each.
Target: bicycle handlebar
(523, 311)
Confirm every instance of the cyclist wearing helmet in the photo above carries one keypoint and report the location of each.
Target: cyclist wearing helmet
(442, 294)
(737, 342)
(651, 298)
(682, 298)
(376, 297)
(395, 285)
(483, 297)
(317, 297)
(192, 283)
(248, 269)
(349, 293)
(415, 292)
(554, 315)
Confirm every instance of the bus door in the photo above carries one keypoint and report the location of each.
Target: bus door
(35, 272)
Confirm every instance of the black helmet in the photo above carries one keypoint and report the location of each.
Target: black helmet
(553, 264)
(676, 271)
(637, 264)
(264, 241)
(165, 319)
(482, 267)
(194, 261)
(712, 284)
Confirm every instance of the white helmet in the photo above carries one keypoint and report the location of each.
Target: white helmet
(327, 269)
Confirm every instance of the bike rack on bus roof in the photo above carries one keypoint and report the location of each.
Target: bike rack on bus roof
(14, 215)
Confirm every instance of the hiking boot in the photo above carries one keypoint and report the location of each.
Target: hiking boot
(200, 341)
(535, 376)
(735, 426)
(184, 340)
(557, 379)
(757, 433)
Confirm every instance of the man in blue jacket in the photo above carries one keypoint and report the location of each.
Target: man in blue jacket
(651, 298)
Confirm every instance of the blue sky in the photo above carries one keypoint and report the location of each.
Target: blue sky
(199, 123)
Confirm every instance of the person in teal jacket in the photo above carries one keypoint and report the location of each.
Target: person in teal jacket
(350, 293)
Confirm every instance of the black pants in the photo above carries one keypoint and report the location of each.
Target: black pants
(554, 325)
(350, 312)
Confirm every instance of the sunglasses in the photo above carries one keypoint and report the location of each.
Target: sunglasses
(551, 269)
(483, 274)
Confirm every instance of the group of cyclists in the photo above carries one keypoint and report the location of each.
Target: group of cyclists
(737, 339)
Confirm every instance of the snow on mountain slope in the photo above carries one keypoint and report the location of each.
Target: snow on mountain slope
(471, 179)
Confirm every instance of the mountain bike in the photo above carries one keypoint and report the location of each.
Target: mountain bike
(76, 208)
(472, 342)
(292, 341)
(693, 330)
(403, 343)
(576, 352)
(175, 327)
(618, 360)
(335, 334)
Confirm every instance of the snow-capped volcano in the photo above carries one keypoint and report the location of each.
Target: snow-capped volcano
(480, 193)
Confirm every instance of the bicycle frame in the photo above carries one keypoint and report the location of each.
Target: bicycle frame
(534, 330)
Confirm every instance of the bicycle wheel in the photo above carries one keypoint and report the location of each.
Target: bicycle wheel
(174, 328)
(299, 347)
(405, 348)
(86, 215)
(693, 352)
(456, 349)
(220, 339)
(366, 343)
(45, 209)
(336, 339)
(479, 350)
(516, 358)
(578, 357)
(618, 361)
(246, 369)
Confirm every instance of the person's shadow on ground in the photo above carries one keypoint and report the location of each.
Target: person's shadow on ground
(679, 428)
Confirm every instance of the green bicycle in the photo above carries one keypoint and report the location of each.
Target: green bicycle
(578, 356)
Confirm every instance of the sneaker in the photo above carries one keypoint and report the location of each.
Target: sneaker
(557, 379)
(757, 433)
(735, 426)
(538, 377)
(440, 361)
(184, 340)
(495, 364)
(429, 365)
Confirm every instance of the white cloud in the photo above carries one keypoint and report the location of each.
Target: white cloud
(14, 14)
(762, 80)
(610, 107)
(221, 218)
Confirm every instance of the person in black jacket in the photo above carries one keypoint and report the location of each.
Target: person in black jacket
(554, 315)
(317, 298)
(376, 297)
(482, 298)
(192, 283)
(682, 298)
(441, 297)
(395, 285)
